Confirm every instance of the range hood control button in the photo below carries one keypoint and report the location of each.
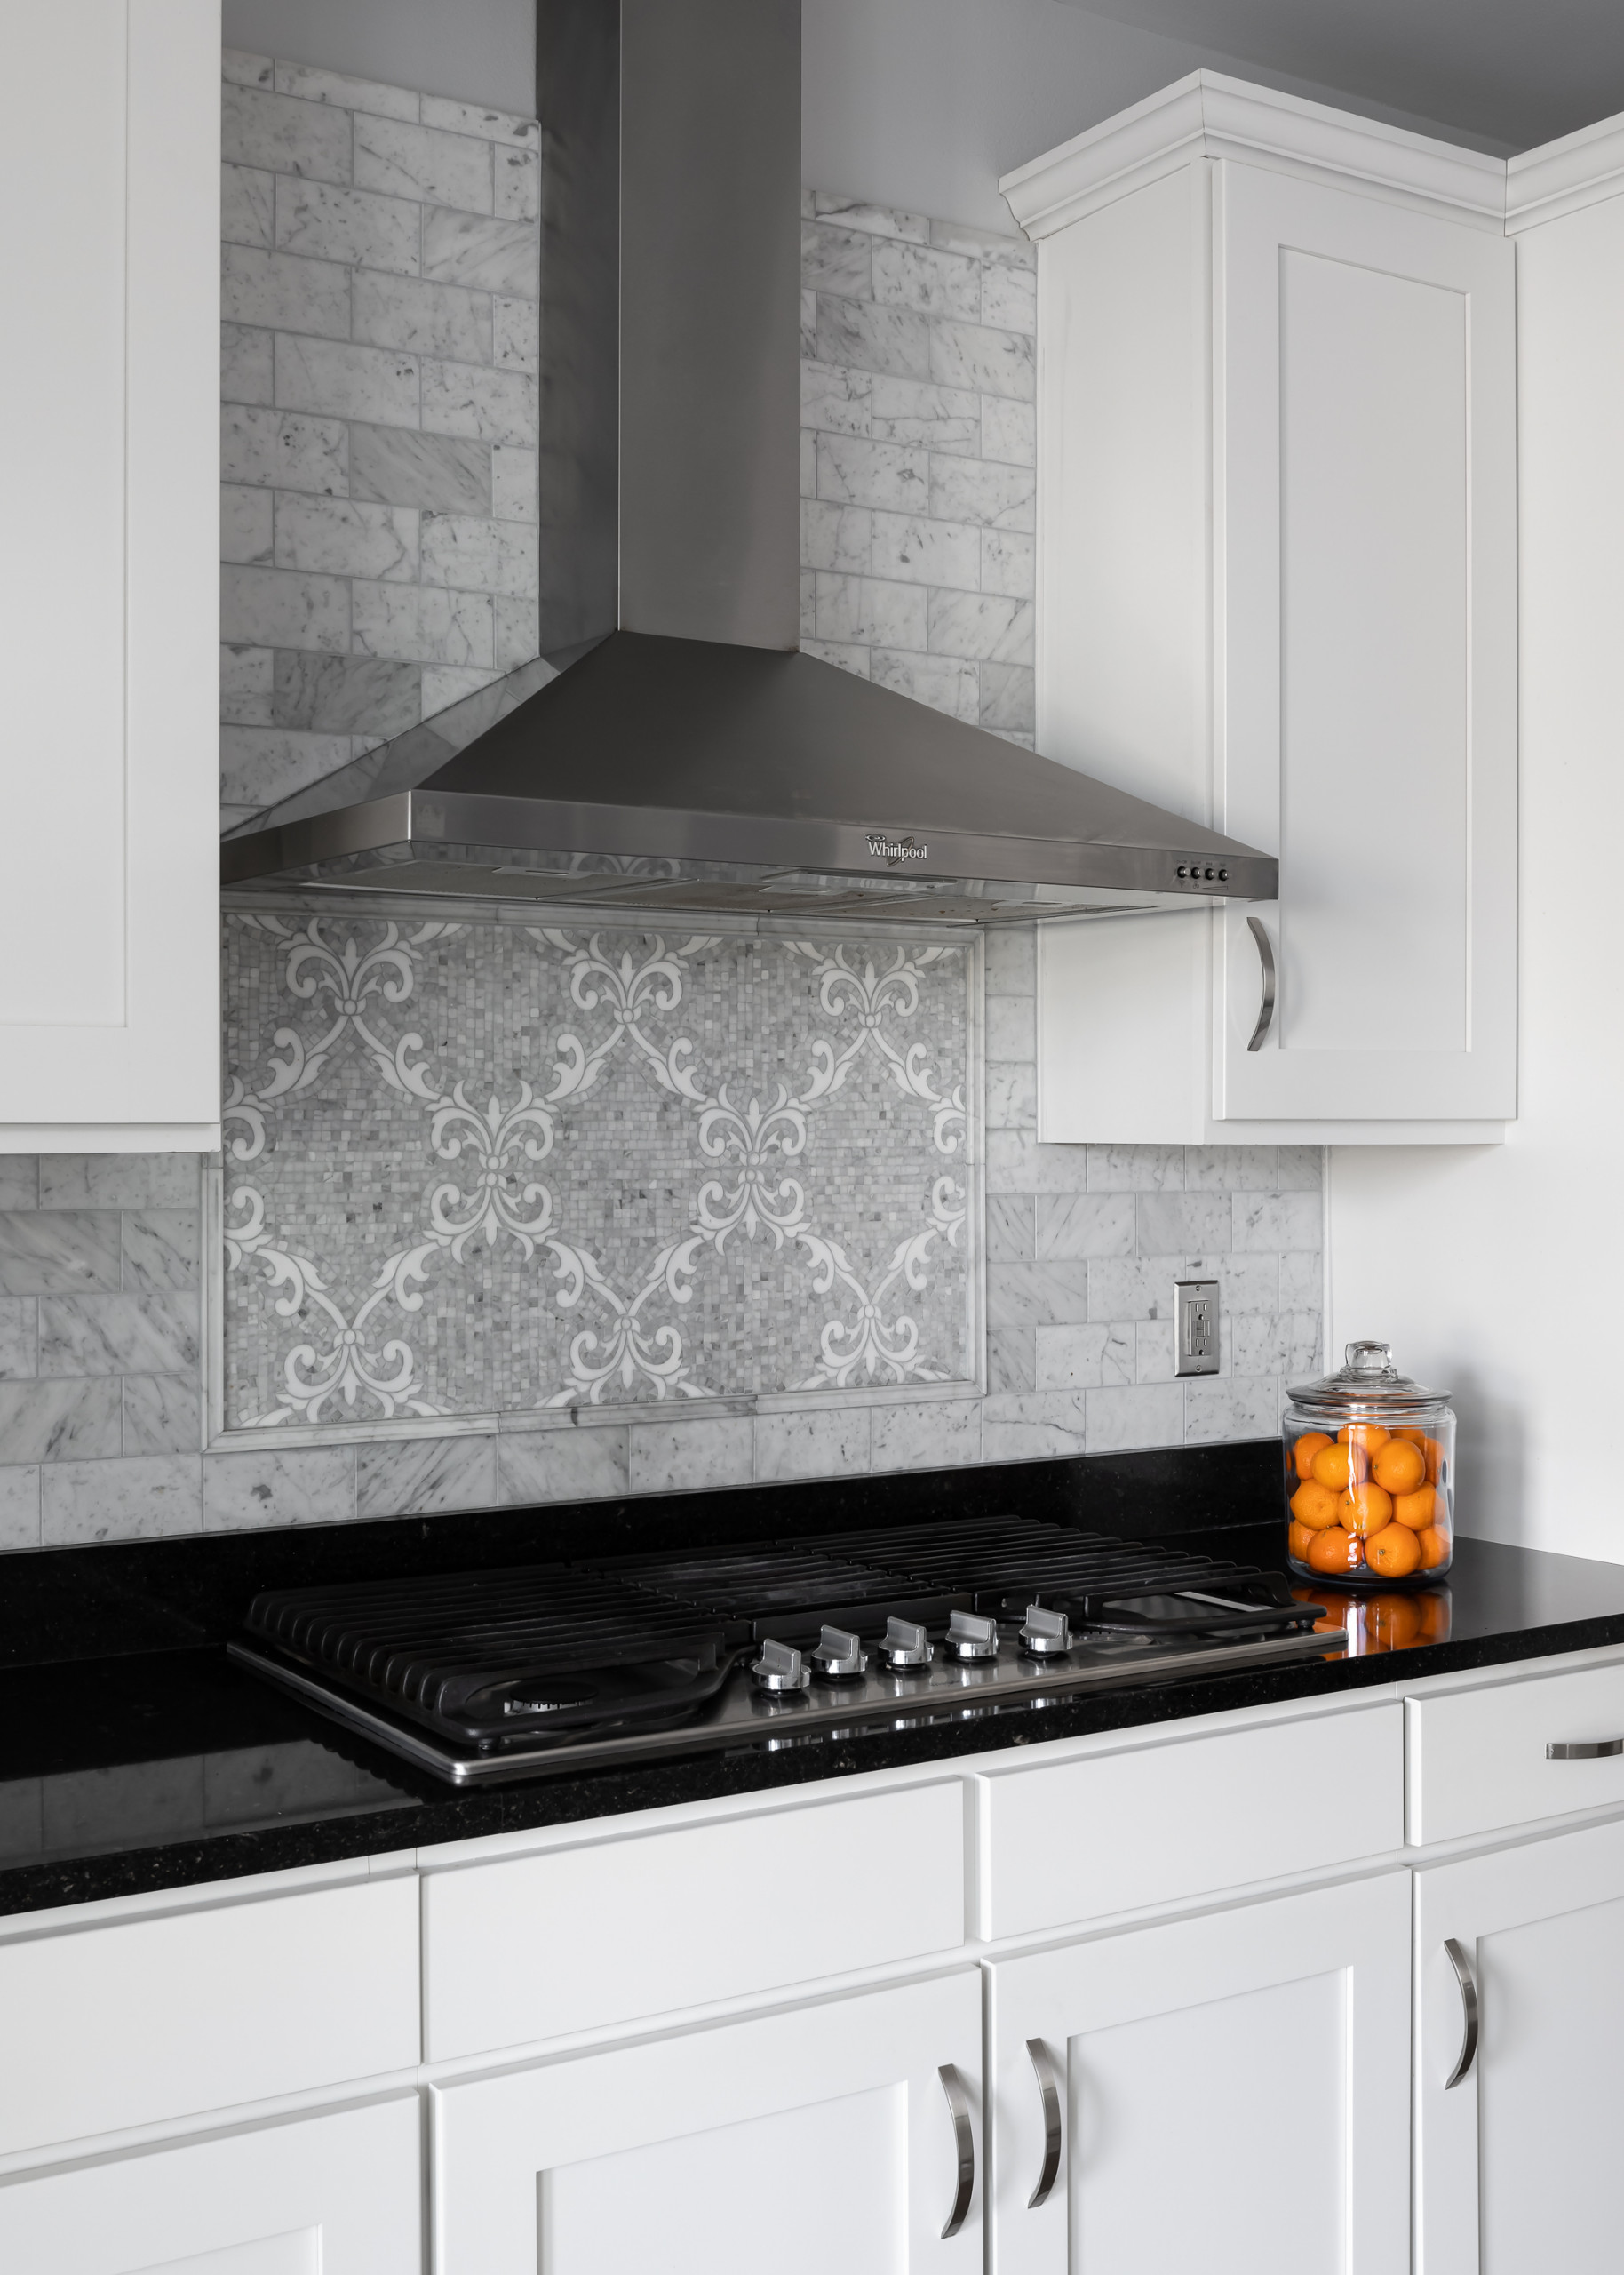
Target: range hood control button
(1046, 1635)
(840, 1656)
(780, 1670)
(971, 1637)
(906, 1647)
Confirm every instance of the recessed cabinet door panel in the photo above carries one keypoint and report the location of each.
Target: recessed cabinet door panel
(1518, 2163)
(1365, 715)
(796, 2140)
(1230, 2090)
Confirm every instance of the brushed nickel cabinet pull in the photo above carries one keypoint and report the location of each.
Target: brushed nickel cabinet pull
(964, 2137)
(1048, 2088)
(1462, 1966)
(1265, 956)
(1583, 1749)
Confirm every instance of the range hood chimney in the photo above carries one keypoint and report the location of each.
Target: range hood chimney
(670, 748)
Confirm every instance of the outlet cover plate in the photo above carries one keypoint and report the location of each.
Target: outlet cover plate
(1195, 1327)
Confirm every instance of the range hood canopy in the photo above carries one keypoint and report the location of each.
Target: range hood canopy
(670, 748)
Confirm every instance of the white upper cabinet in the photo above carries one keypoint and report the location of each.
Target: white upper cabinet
(109, 1031)
(1277, 593)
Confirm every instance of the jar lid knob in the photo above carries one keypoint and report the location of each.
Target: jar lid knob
(1369, 1358)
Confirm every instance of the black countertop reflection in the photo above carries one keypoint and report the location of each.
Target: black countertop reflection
(162, 1767)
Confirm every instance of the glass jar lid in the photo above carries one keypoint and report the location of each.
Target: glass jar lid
(1367, 1382)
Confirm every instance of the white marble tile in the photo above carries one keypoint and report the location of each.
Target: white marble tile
(1082, 1357)
(512, 483)
(517, 632)
(833, 1442)
(925, 552)
(852, 471)
(346, 92)
(1153, 1353)
(489, 406)
(240, 69)
(585, 1464)
(245, 523)
(1011, 1026)
(1245, 1407)
(1299, 1169)
(408, 1477)
(981, 245)
(394, 466)
(1011, 1236)
(936, 282)
(423, 163)
(163, 1414)
(429, 628)
(1131, 1287)
(445, 684)
(835, 399)
(1301, 1280)
(836, 260)
(271, 1485)
(914, 412)
(259, 766)
(284, 135)
(1009, 563)
(471, 555)
(491, 254)
(805, 625)
(1135, 1168)
(1012, 1363)
(944, 682)
(247, 372)
(71, 1418)
(476, 118)
(1276, 1220)
(1009, 700)
(1017, 1163)
(688, 1457)
(345, 695)
(340, 381)
(247, 205)
(425, 319)
(975, 356)
(19, 1507)
(1248, 1283)
(1033, 1425)
(339, 536)
(283, 291)
(1008, 431)
(316, 219)
(119, 1180)
(934, 1433)
(986, 628)
(879, 220)
(872, 614)
(119, 1335)
(19, 1337)
(58, 1252)
(1230, 1168)
(1011, 957)
(992, 497)
(1070, 1227)
(517, 185)
(845, 655)
(840, 537)
(873, 338)
(281, 608)
(516, 334)
(283, 451)
(1038, 1295)
(1173, 1222)
(1142, 1413)
(1008, 297)
(808, 466)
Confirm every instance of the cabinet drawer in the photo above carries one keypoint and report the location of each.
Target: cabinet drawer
(190, 2012)
(579, 1938)
(1078, 1840)
(1477, 1759)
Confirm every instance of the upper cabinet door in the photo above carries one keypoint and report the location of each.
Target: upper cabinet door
(1364, 705)
(109, 411)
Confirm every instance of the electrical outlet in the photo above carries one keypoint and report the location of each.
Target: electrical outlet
(1195, 1327)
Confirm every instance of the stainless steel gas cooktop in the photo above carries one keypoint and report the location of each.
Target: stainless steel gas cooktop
(539, 1669)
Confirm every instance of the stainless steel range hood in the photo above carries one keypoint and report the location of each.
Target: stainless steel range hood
(670, 748)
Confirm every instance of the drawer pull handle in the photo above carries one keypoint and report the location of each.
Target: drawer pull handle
(1048, 2088)
(964, 2137)
(1583, 1749)
(1462, 1966)
(1265, 956)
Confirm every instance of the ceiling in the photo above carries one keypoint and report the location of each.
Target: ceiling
(1508, 72)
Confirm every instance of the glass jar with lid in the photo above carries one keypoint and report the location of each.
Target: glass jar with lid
(1370, 1459)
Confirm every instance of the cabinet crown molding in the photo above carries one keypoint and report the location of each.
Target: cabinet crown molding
(1209, 116)
(1582, 169)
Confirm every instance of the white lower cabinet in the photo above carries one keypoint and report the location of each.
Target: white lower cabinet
(1228, 2092)
(807, 2138)
(1519, 2161)
(338, 2194)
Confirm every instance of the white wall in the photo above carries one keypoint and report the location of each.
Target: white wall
(480, 51)
(924, 103)
(1499, 1272)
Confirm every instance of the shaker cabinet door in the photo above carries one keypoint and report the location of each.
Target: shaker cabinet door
(817, 2137)
(1364, 709)
(1228, 2093)
(1518, 2159)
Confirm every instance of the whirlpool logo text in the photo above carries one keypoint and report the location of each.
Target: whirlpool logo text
(895, 849)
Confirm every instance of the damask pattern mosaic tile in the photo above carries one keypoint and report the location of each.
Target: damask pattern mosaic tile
(490, 1168)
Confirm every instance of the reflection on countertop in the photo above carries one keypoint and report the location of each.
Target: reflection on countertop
(1389, 1619)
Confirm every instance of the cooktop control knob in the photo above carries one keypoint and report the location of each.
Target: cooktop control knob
(906, 1647)
(971, 1637)
(780, 1670)
(1046, 1635)
(840, 1656)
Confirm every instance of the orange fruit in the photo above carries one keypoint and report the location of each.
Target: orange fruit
(1392, 1623)
(1303, 1452)
(1415, 1509)
(1434, 1615)
(1336, 1551)
(1332, 1467)
(1314, 1506)
(1394, 1552)
(1297, 1542)
(1432, 1450)
(1399, 1465)
(1433, 1543)
(1367, 1510)
(1368, 1437)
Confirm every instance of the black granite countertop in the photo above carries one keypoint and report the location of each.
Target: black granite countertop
(135, 1755)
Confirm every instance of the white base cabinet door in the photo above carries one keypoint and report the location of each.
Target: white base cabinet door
(1228, 2093)
(1518, 2162)
(799, 2141)
(339, 2195)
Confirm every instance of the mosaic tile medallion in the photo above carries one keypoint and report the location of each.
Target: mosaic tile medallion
(488, 1168)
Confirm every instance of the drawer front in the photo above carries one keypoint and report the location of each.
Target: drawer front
(579, 1938)
(1152, 1825)
(1477, 1759)
(190, 2012)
